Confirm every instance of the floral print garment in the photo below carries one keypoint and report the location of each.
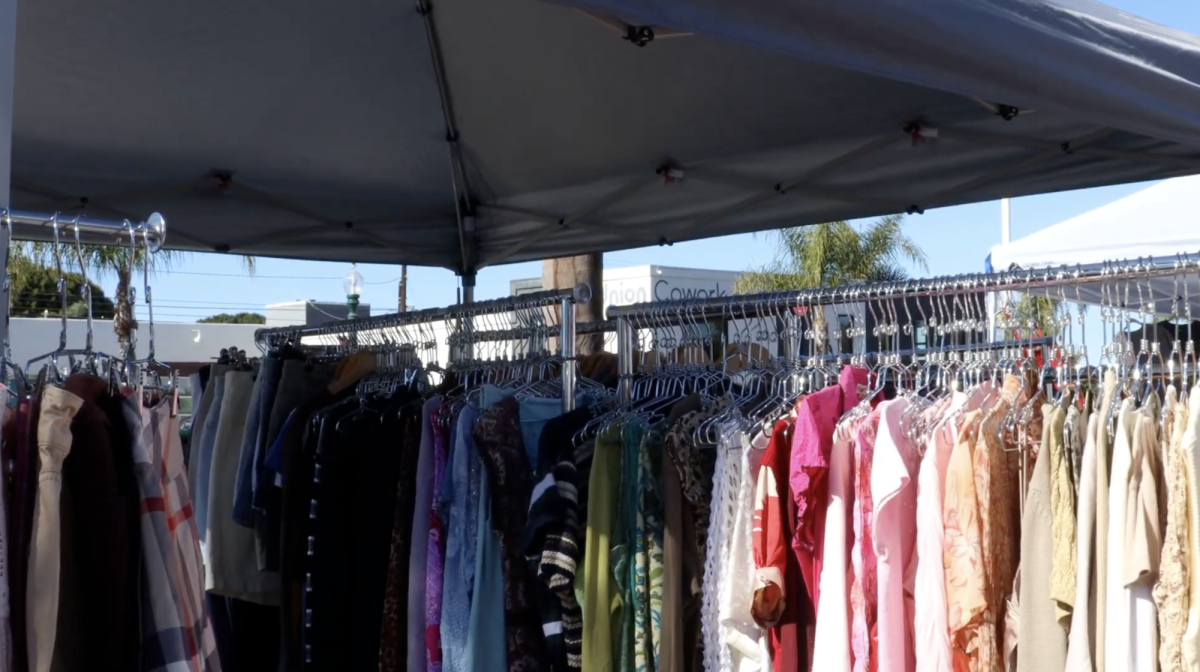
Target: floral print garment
(864, 584)
(963, 555)
(1172, 590)
(648, 575)
(997, 476)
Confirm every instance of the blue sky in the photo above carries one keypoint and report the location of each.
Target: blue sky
(955, 239)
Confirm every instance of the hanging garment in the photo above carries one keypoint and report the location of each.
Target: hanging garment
(305, 387)
(894, 490)
(931, 630)
(726, 484)
(1063, 570)
(101, 544)
(1191, 448)
(231, 569)
(466, 469)
(966, 583)
(498, 438)
(290, 456)
(1100, 575)
(831, 644)
(778, 584)
(624, 538)
(24, 499)
(648, 557)
(680, 570)
(487, 646)
(1171, 592)
(436, 555)
(168, 641)
(1143, 540)
(745, 639)
(596, 583)
(1041, 639)
(393, 639)
(1119, 627)
(552, 538)
(811, 445)
(58, 408)
(996, 476)
(7, 415)
(1081, 646)
(418, 552)
(203, 443)
(864, 584)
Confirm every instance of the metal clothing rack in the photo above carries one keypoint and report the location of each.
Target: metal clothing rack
(63, 229)
(1040, 281)
(465, 336)
(57, 227)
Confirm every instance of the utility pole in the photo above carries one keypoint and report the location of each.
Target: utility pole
(1005, 238)
(565, 273)
(402, 307)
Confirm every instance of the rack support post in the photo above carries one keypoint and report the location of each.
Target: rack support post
(8, 48)
(567, 345)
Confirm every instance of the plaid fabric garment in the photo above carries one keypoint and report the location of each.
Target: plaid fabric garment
(176, 633)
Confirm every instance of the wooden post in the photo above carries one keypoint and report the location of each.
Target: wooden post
(402, 305)
(566, 272)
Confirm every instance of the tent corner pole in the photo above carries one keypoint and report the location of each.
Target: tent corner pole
(8, 48)
(566, 340)
(626, 344)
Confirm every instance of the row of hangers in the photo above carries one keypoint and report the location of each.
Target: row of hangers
(514, 349)
(957, 354)
(122, 371)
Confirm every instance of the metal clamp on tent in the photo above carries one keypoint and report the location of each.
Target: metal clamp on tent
(39, 226)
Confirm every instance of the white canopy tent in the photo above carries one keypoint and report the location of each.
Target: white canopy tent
(1160, 223)
(464, 133)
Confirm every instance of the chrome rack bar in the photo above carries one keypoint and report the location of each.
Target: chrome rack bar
(39, 226)
(564, 299)
(750, 306)
(492, 307)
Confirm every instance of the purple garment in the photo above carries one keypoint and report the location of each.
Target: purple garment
(434, 568)
(418, 557)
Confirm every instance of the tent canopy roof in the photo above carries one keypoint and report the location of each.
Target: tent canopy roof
(1155, 225)
(312, 130)
(1157, 222)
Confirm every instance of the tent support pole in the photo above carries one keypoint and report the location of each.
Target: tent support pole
(8, 48)
(460, 185)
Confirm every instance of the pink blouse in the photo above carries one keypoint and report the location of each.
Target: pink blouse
(863, 586)
(894, 489)
(811, 447)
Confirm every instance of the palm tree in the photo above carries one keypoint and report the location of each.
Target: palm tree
(121, 262)
(835, 253)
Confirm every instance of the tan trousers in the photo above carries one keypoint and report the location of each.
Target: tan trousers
(45, 555)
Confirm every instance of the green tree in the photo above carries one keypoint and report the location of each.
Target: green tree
(123, 263)
(34, 293)
(1042, 312)
(239, 318)
(834, 253)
